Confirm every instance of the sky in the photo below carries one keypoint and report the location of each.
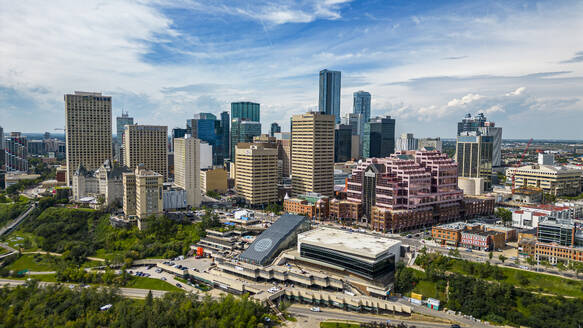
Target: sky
(426, 63)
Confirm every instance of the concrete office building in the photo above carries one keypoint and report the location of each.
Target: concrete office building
(370, 257)
(187, 168)
(16, 153)
(142, 193)
(87, 130)
(546, 159)
(275, 128)
(407, 142)
(205, 155)
(379, 137)
(556, 180)
(474, 157)
(479, 125)
(213, 180)
(342, 143)
(312, 161)
(147, 145)
(329, 99)
(361, 104)
(256, 172)
(283, 141)
(430, 143)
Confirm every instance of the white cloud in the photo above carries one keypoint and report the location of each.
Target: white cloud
(516, 92)
(494, 109)
(464, 100)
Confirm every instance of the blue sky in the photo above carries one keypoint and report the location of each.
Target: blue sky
(426, 63)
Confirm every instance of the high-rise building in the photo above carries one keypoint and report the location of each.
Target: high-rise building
(87, 131)
(245, 110)
(474, 157)
(121, 122)
(361, 104)
(2, 159)
(481, 126)
(356, 122)
(379, 137)
(407, 142)
(283, 141)
(16, 152)
(147, 145)
(256, 174)
(342, 143)
(225, 135)
(206, 127)
(275, 128)
(187, 168)
(312, 160)
(243, 130)
(329, 101)
(143, 193)
(430, 143)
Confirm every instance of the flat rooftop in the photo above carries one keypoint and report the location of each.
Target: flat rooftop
(348, 242)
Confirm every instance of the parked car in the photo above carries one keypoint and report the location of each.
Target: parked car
(178, 285)
(315, 309)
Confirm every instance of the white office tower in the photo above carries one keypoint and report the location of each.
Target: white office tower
(546, 159)
(187, 168)
(406, 142)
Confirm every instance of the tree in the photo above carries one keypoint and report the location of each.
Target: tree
(504, 215)
(502, 258)
(490, 255)
(530, 260)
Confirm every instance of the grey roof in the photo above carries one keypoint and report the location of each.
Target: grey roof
(267, 243)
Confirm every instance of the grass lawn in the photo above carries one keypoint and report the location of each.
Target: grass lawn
(151, 283)
(33, 262)
(427, 289)
(331, 324)
(16, 240)
(537, 282)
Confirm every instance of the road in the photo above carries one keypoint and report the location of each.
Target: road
(300, 311)
(127, 292)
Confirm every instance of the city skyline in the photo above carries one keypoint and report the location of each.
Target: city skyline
(424, 64)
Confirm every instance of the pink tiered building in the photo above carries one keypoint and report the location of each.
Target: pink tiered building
(408, 190)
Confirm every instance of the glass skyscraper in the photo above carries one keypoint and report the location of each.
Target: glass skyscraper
(329, 102)
(361, 104)
(206, 127)
(243, 131)
(275, 128)
(225, 134)
(244, 123)
(245, 110)
(379, 137)
(121, 122)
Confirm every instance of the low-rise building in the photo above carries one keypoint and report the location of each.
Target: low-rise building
(482, 240)
(345, 210)
(214, 180)
(556, 180)
(312, 205)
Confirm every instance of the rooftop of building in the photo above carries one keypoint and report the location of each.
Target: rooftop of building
(348, 242)
(547, 169)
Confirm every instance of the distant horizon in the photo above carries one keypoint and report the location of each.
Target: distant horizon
(426, 64)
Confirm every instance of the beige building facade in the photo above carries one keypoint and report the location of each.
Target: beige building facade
(556, 180)
(187, 168)
(213, 180)
(87, 131)
(256, 172)
(147, 145)
(312, 155)
(143, 193)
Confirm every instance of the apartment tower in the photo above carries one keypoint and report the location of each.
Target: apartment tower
(87, 130)
(312, 160)
(146, 145)
(187, 168)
